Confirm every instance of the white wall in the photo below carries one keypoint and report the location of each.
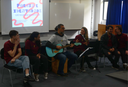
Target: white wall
(0, 16)
(97, 14)
(87, 11)
(70, 34)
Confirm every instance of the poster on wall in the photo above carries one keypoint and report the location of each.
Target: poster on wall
(27, 13)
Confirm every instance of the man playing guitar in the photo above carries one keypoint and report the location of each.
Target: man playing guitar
(60, 38)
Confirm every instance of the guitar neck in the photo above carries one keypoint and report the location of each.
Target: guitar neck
(65, 46)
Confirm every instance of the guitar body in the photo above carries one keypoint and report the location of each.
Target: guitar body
(52, 52)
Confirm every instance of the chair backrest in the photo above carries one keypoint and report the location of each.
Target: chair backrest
(95, 33)
(2, 53)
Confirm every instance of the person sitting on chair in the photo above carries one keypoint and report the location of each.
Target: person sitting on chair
(83, 38)
(32, 50)
(60, 38)
(12, 56)
(109, 46)
(122, 40)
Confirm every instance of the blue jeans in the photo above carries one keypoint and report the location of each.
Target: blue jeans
(62, 57)
(21, 62)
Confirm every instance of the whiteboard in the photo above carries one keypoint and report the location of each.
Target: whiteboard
(69, 14)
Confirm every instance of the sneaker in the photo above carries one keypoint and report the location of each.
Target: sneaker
(125, 67)
(46, 75)
(36, 77)
(29, 78)
(26, 84)
(91, 67)
(64, 74)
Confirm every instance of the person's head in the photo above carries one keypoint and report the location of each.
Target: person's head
(109, 29)
(56, 28)
(84, 32)
(60, 28)
(14, 34)
(35, 36)
(118, 30)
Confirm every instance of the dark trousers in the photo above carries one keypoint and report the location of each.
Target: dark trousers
(62, 57)
(110, 57)
(85, 58)
(37, 63)
(124, 57)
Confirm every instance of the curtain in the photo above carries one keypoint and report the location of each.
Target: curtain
(114, 12)
(124, 16)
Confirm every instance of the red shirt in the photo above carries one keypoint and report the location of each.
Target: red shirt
(31, 46)
(81, 40)
(122, 40)
(110, 41)
(7, 47)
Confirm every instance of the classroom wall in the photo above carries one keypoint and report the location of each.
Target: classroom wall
(70, 34)
(87, 12)
(97, 14)
(0, 15)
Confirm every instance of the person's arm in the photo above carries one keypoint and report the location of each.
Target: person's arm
(50, 45)
(19, 54)
(51, 41)
(126, 42)
(29, 52)
(28, 49)
(115, 42)
(103, 43)
(13, 52)
(126, 45)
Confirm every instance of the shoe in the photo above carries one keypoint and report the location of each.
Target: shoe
(26, 84)
(91, 67)
(64, 74)
(29, 78)
(46, 75)
(125, 66)
(36, 77)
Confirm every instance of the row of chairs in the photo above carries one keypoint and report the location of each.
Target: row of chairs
(55, 64)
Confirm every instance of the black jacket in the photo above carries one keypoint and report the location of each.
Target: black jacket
(105, 39)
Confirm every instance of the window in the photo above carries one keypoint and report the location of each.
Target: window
(105, 8)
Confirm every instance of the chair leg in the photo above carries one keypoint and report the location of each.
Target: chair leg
(76, 65)
(104, 62)
(100, 60)
(15, 73)
(32, 71)
(2, 75)
(10, 77)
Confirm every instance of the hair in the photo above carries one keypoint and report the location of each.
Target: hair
(13, 33)
(58, 26)
(32, 36)
(107, 27)
(120, 28)
(86, 33)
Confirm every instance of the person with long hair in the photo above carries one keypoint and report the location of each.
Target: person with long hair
(83, 38)
(32, 49)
